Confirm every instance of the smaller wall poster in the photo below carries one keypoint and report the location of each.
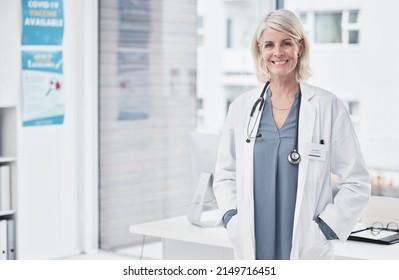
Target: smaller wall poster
(42, 88)
(42, 22)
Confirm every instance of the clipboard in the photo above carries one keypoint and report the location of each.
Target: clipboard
(385, 237)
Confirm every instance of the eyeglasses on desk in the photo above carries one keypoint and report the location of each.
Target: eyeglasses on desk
(377, 227)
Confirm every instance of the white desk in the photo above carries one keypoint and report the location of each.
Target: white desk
(365, 251)
(182, 240)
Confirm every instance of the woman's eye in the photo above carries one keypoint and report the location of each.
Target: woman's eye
(287, 44)
(268, 46)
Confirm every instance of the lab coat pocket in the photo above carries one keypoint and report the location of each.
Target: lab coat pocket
(316, 246)
(317, 156)
(232, 232)
(232, 228)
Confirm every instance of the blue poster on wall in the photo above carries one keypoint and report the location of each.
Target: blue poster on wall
(42, 88)
(42, 22)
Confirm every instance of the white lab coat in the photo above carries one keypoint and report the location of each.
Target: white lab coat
(322, 116)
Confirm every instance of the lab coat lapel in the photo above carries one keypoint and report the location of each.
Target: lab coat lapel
(249, 182)
(249, 203)
(307, 120)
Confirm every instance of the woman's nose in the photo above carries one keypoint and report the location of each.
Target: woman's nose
(278, 52)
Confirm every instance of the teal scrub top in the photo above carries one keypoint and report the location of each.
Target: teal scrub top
(275, 184)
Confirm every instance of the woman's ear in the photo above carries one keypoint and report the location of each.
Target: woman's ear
(301, 47)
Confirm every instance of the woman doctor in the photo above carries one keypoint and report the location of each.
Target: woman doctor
(279, 145)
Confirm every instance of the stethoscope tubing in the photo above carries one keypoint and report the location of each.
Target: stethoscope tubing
(293, 157)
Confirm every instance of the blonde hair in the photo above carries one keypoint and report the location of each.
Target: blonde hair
(287, 22)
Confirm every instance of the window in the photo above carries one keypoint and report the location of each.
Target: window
(353, 16)
(353, 107)
(351, 25)
(147, 77)
(331, 27)
(200, 31)
(303, 17)
(327, 27)
(229, 33)
(200, 113)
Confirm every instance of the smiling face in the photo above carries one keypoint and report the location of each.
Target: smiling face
(280, 53)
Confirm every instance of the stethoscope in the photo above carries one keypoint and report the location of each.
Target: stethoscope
(293, 157)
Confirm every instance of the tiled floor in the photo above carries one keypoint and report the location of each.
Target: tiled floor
(151, 251)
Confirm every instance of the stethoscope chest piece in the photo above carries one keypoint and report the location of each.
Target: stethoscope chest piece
(294, 157)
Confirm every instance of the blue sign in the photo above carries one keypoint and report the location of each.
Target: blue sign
(42, 22)
(42, 88)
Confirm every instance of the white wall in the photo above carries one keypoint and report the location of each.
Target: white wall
(367, 72)
(56, 165)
